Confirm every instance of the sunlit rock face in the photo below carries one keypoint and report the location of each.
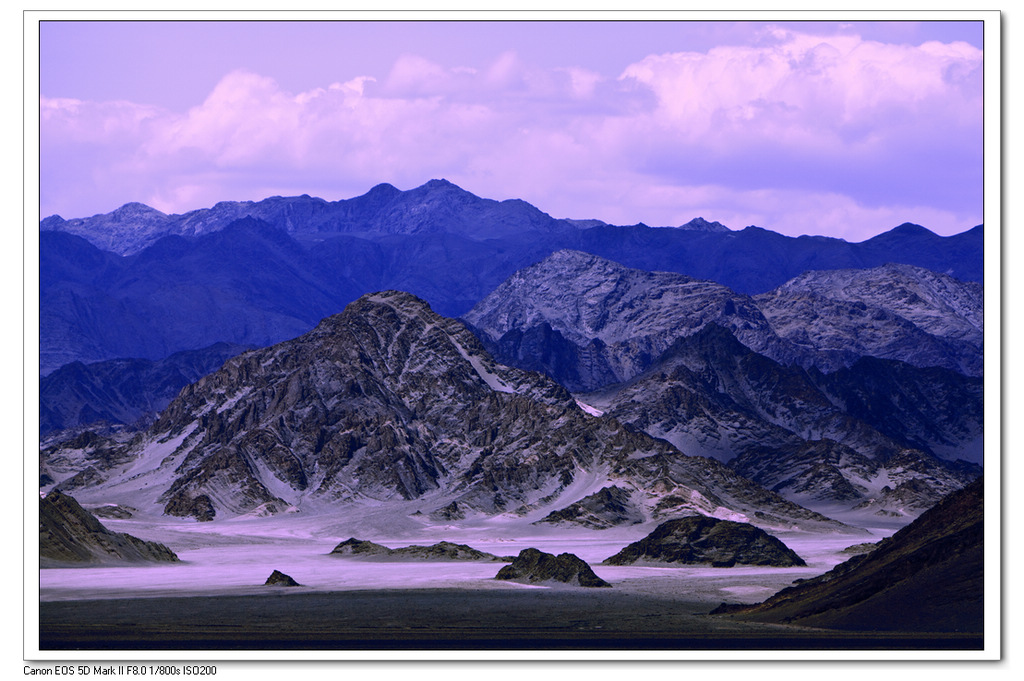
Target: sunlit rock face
(589, 322)
(388, 403)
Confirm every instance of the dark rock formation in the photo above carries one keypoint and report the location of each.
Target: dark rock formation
(703, 540)
(450, 512)
(445, 551)
(927, 577)
(441, 551)
(536, 567)
(359, 547)
(68, 534)
(278, 578)
(199, 507)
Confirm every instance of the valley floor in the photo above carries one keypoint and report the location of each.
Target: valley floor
(215, 599)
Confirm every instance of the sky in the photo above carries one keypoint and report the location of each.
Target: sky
(844, 129)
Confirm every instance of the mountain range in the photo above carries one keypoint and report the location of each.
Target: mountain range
(703, 370)
(122, 391)
(389, 402)
(702, 367)
(588, 321)
(137, 283)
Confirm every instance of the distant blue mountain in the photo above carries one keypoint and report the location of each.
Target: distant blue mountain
(437, 207)
(755, 260)
(122, 391)
(139, 283)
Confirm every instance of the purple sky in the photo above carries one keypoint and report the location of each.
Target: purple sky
(839, 128)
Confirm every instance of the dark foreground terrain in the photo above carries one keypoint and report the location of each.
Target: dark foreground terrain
(440, 619)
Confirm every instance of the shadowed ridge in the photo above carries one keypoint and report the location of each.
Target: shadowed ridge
(929, 576)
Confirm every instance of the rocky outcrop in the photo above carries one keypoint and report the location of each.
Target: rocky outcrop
(360, 548)
(536, 567)
(278, 578)
(116, 511)
(929, 576)
(442, 552)
(701, 540)
(68, 534)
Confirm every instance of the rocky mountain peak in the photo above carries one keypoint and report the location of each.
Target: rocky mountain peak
(135, 210)
(702, 225)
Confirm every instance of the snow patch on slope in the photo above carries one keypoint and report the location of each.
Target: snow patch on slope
(496, 382)
(593, 411)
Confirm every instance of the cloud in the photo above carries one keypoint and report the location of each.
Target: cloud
(773, 133)
(838, 112)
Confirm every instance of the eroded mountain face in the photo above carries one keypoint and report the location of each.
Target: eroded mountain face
(390, 402)
(606, 323)
(924, 318)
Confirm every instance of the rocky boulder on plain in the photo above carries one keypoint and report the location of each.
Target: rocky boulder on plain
(278, 578)
(702, 540)
(441, 551)
(536, 567)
